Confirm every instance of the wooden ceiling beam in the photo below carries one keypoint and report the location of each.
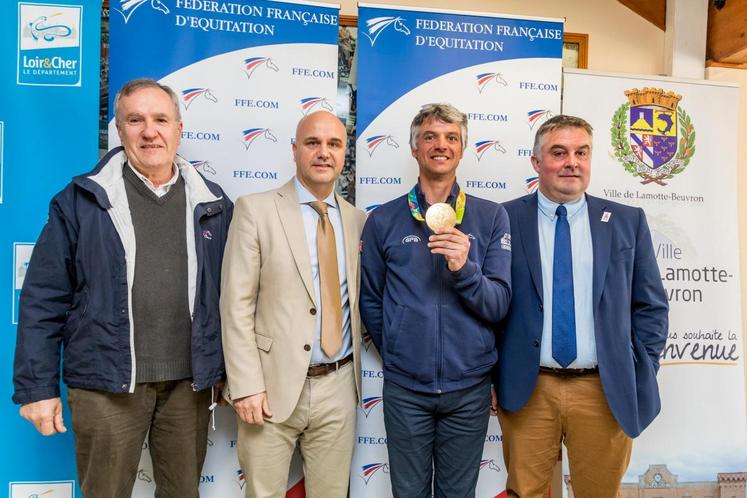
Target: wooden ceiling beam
(727, 33)
(654, 11)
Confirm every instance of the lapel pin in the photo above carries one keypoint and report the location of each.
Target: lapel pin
(606, 216)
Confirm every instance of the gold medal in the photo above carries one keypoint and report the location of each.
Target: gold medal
(440, 215)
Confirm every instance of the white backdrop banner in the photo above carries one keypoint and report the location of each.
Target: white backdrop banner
(669, 146)
(245, 74)
(505, 73)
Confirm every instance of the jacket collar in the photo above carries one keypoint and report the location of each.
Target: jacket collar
(601, 237)
(106, 179)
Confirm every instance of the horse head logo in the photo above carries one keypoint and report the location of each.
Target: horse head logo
(315, 103)
(368, 470)
(368, 404)
(251, 65)
(531, 184)
(205, 167)
(250, 135)
(128, 7)
(373, 143)
(490, 464)
(376, 25)
(484, 145)
(240, 478)
(538, 115)
(485, 78)
(190, 95)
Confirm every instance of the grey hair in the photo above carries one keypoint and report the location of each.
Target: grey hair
(442, 112)
(134, 85)
(557, 123)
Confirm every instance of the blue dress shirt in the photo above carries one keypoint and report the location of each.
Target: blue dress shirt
(583, 274)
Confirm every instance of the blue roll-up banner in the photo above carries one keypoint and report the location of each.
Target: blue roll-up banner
(504, 72)
(49, 77)
(245, 73)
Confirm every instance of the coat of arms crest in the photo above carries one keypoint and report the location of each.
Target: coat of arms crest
(652, 136)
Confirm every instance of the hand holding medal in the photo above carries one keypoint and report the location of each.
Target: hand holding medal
(447, 240)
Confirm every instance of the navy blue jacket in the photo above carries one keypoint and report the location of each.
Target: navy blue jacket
(630, 311)
(77, 289)
(433, 327)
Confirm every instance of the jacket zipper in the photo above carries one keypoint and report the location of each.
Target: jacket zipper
(439, 338)
(207, 213)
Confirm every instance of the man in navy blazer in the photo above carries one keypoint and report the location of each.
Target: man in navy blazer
(579, 348)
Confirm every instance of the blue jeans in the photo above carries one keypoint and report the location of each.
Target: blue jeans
(441, 434)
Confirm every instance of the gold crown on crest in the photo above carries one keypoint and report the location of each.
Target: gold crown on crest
(653, 96)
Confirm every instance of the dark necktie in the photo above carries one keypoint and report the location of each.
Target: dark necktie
(329, 282)
(563, 307)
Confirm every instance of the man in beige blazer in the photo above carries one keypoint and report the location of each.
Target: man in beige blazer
(287, 380)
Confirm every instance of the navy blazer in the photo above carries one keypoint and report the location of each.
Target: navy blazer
(630, 311)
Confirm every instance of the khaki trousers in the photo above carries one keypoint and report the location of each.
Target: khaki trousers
(572, 410)
(323, 425)
(110, 429)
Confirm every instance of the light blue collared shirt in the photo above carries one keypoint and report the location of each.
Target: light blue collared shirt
(583, 279)
(310, 220)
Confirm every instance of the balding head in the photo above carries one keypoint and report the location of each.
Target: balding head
(319, 152)
(312, 119)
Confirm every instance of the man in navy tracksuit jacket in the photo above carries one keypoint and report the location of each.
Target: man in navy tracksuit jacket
(430, 302)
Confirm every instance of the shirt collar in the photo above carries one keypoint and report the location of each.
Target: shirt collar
(174, 177)
(548, 207)
(450, 199)
(306, 197)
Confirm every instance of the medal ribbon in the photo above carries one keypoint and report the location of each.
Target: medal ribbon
(412, 201)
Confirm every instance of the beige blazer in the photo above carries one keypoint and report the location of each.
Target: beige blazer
(267, 304)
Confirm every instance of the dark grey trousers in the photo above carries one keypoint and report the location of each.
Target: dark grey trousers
(110, 430)
(435, 441)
